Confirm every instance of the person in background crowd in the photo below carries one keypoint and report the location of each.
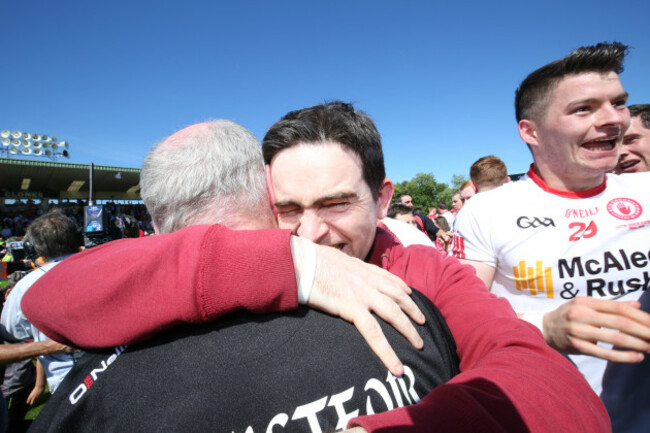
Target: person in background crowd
(332, 189)
(400, 212)
(401, 223)
(52, 237)
(467, 191)
(444, 212)
(456, 202)
(635, 153)
(567, 245)
(423, 223)
(23, 380)
(441, 221)
(488, 172)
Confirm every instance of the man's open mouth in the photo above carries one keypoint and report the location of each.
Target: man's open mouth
(601, 144)
(624, 166)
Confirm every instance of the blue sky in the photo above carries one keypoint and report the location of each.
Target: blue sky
(112, 78)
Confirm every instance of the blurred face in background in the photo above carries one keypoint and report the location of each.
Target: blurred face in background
(635, 153)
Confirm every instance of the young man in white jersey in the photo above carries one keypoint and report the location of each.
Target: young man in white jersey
(571, 253)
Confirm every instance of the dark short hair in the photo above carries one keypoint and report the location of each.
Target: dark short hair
(441, 205)
(398, 209)
(398, 197)
(531, 98)
(54, 235)
(642, 111)
(336, 122)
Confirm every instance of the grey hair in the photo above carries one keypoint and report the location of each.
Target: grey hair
(204, 175)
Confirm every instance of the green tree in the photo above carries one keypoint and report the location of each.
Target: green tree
(457, 180)
(425, 191)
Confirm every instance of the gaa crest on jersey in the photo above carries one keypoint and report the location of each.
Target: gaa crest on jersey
(624, 208)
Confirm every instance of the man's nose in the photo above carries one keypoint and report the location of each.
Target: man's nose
(312, 226)
(612, 116)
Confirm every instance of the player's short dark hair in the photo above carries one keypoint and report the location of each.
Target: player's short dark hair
(532, 96)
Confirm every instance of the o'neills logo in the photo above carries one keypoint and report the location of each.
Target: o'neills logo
(89, 380)
(624, 208)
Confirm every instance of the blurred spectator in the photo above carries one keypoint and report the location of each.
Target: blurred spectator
(456, 201)
(402, 213)
(51, 237)
(635, 152)
(442, 222)
(444, 212)
(467, 191)
(23, 381)
(401, 223)
(423, 223)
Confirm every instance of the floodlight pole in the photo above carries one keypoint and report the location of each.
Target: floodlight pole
(91, 201)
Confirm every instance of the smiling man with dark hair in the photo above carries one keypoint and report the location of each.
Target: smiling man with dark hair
(570, 253)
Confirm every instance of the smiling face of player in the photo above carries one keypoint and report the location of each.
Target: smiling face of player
(578, 137)
(320, 194)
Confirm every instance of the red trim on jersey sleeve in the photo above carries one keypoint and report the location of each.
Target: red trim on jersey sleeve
(566, 194)
(459, 247)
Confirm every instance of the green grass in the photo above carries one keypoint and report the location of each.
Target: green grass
(38, 406)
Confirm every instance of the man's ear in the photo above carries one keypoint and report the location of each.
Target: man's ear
(528, 131)
(269, 188)
(386, 191)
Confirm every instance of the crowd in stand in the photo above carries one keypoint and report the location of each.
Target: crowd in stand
(15, 217)
(522, 307)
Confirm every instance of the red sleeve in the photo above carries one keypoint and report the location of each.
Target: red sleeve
(510, 379)
(128, 290)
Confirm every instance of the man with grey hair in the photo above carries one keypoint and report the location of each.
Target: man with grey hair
(234, 192)
(256, 372)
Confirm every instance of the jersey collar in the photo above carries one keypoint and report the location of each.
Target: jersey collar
(566, 194)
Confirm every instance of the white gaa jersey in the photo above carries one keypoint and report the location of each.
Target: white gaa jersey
(550, 246)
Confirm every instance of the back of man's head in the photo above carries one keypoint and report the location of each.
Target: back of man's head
(441, 205)
(333, 122)
(54, 235)
(398, 209)
(643, 112)
(488, 172)
(207, 173)
(533, 95)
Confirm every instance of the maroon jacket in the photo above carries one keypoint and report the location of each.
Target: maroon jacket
(510, 379)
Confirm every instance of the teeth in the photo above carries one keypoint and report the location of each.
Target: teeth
(627, 164)
(600, 147)
(601, 144)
